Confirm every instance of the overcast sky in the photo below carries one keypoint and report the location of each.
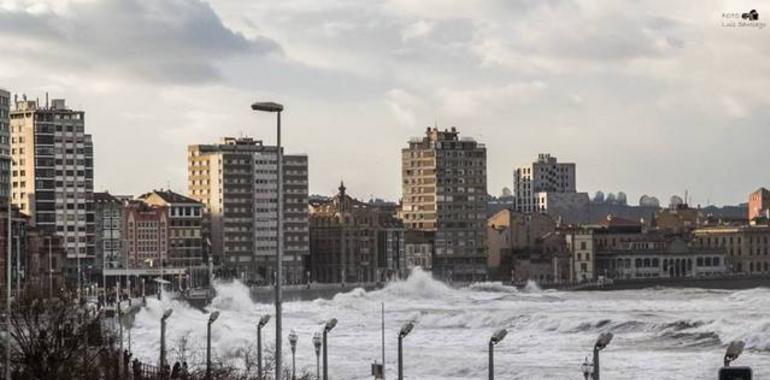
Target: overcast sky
(646, 97)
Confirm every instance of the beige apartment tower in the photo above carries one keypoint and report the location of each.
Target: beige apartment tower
(445, 190)
(236, 182)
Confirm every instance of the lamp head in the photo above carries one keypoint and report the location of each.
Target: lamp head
(263, 321)
(167, 313)
(734, 350)
(267, 107)
(406, 329)
(498, 336)
(213, 316)
(293, 338)
(603, 341)
(330, 325)
(317, 340)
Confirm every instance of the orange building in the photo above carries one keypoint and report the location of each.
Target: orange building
(759, 203)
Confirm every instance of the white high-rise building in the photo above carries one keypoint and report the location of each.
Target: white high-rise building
(546, 175)
(52, 175)
(236, 181)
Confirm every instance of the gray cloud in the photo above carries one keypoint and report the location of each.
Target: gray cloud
(177, 41)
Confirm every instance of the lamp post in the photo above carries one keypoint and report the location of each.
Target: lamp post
(498, 336)
(8, 283)
(405, 330)
(163, 319)
(329, 326)
(262, 322)
(277, 109)
(317, 345)
(588, 369)
(50, 269)
(213, 317)
(293, 344)
(601, 343)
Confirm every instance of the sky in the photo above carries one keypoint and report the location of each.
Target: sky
(647, 97)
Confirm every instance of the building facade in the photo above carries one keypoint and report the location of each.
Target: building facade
(444, 189)
(747, 247)
(511, 234)
(145, 230)
(52, 175)
(546, 175)
(759, 203)
(185, 227)
(419, 250)
(5, 145)
(236, 182)
(108, 227)
(353, 241)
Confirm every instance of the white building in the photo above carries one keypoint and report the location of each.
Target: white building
(546, 175)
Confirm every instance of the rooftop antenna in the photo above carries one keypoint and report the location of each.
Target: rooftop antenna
(46, 100)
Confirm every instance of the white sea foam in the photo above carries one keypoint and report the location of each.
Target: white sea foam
(666, 333)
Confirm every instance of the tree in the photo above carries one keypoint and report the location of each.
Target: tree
(54, 337)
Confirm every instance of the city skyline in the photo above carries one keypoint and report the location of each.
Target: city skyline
(702, 115)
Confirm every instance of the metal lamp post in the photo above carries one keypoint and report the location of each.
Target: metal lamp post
(405, 330)
(317, 345)
(601, 343)
(498, 336)
(213, 317)
(8, 283)
(262, 322)
(163, 319)
(277, 109)
(293, 344)
(329, 326)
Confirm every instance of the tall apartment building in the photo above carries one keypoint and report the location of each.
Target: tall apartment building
(5, 145)
(185, 226)
(53, 175)
(236, 181)
(108, 227)
(546, 175)
(444, 186)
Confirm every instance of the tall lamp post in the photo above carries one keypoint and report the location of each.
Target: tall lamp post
(213, 317)
(329, 326)
(405, 330)
(262, 322)
(277, 109)
(8, 282)
(293, 344)
(601, 343)
(163, 319)
(498, 336)
(317, 345)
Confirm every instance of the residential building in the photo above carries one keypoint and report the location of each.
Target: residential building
(108, 228)
(185, 226)
(746, 246)
(53, 175)
(511, 235)
(419, 250)
(145, 231)
(353, 241)
(680, 219)
(444, 187)
(585, 242)
(759, 203)
(5, 145)
(236, 181)
(546, 175)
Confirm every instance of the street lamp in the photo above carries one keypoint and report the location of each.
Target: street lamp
(293, 343)
(329, 326)
(262, 322)
(277, 108)
(405, 330)
(588, 369)
(163, 319)
(498, 336)
(317, 345)
(601, 343)
(213, 317)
